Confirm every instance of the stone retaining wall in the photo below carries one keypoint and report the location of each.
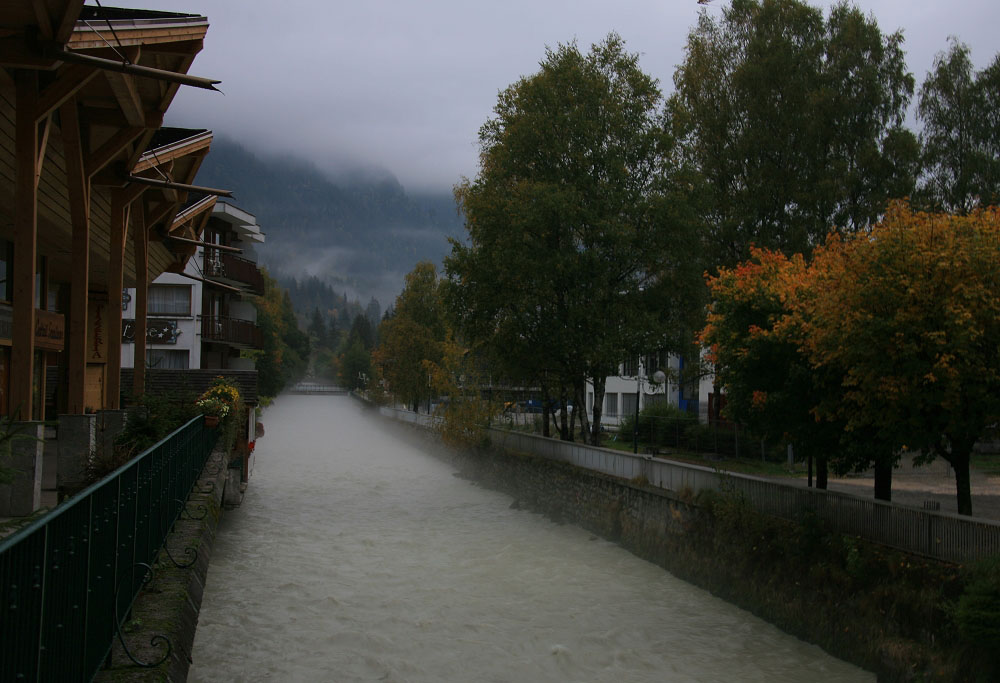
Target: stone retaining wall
(670, 530)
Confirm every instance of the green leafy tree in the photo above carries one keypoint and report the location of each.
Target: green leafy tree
(285, 349)
(576, 225)
(795, 122)
(465, 413)
(355, 366)
(960, 139)
(412, 336)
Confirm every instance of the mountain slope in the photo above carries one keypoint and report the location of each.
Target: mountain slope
(361, 233)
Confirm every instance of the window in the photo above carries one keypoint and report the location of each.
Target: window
(169, 300)
(630, 367)
(628, 404)
(611, 404)
(167, 359)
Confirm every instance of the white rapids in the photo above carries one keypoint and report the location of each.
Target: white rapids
(357, 556)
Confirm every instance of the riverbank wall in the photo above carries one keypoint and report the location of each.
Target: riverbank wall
(884, 610)
(167, 608)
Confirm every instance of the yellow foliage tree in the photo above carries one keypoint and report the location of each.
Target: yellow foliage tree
(909, 315)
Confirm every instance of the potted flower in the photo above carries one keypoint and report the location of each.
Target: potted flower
(214, 409)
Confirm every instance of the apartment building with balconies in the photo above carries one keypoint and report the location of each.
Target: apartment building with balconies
(204, 317)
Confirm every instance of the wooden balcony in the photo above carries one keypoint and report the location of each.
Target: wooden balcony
(232, 331)
(225, 266)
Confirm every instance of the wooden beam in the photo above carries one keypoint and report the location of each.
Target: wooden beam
(106, 153)
(167, 184)
(132, 193)
(141, 144)
(159, 212)
(42, 19)
(141, 246)
(70, 79)
(25, 244)
(123, 88)
(68, 20)
(203, 223)
(171, 77)
(43, 143)
(188, 148)
(116, 273)
(79, 202)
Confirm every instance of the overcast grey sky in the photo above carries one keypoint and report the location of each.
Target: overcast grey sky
(405, 85)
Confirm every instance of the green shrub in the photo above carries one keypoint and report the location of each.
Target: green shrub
(659, 424)
(977, 613)
(699, 437)
(147, 423)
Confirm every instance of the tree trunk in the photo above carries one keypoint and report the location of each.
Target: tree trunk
(546, 409)
(581, 408)
(883, 478)
(960, 456)
(822, 472)
(595, 428)
(564, 430)
(572, 417)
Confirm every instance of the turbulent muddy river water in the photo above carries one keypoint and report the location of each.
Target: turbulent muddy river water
(356, 556)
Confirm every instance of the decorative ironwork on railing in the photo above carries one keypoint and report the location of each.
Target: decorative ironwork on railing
(231, 267)
(69, 579)
(231, 331)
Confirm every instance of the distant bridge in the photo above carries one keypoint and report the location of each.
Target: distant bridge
(314, 388)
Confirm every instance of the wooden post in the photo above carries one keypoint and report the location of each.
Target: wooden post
(116, 267)
(78, 186)
(25, 244)
(140, 241)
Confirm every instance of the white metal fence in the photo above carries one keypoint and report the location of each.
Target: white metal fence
(940, 535)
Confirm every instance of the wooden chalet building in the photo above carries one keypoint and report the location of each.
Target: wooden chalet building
(93, 194)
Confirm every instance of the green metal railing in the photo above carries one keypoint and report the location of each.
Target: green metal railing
(68, 580)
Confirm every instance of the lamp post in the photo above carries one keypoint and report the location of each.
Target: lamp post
(657, 379)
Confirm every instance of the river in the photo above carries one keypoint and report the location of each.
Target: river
(356, 556)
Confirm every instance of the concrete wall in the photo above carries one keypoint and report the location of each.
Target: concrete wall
(23, 495)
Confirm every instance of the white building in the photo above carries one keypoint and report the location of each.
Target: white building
(204, 318)
(634, 379)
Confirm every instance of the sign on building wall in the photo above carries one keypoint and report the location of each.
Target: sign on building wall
(157, 331)
(50, 330)
(97, 332)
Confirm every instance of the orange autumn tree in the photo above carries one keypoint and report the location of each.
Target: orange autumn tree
(910, 316)
(755, 347)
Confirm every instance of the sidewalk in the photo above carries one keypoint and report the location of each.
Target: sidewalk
(914, 485)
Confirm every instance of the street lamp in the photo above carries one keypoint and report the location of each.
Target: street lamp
(657, 379)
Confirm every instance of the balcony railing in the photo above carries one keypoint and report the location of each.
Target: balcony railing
(228, 266)
(68, 580)
(234, 331)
